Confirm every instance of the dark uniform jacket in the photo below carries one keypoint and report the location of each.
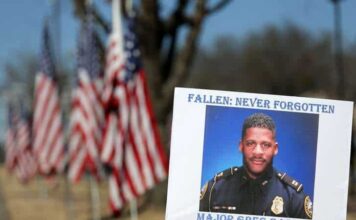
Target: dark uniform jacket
(272, 194)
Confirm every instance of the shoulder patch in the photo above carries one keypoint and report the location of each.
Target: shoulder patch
(308, 207)
(289, 181)
(203, 191)
(228, 172)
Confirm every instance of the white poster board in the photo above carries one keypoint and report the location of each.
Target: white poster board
(314, 147)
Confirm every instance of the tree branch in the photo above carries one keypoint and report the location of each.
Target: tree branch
(185, 59)
(171, 30)
(177, 17)
(221, 4)
(100, 20)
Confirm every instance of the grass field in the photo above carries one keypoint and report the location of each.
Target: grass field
(47, 199)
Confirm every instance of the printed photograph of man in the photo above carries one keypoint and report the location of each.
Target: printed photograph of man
(256, 187)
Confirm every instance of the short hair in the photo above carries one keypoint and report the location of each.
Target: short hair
(259, 120)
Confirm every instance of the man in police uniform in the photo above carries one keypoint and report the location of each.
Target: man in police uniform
(256, 188)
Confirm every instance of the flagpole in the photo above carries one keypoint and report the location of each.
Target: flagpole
(95, 198)
(338, 49)
(133, 209)
(57, 20)
(116, 15)
(69, 204)
(43, 189)
(116, 29)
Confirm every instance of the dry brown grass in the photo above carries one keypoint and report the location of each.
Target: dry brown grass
(46, 199)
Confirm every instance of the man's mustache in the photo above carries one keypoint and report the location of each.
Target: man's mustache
(257, 158)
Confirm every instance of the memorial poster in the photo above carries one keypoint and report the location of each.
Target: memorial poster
(245, 156)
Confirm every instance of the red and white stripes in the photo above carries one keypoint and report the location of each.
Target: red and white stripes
(86, 123)
(140, 163)
(48, 143)
(19, 155)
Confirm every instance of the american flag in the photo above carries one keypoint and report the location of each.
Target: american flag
(10, 144)
(47, 123)
(87, 115)
(20, 157)
(132, 145)
(26, 166)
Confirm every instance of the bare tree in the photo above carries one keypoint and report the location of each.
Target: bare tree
(166, 64)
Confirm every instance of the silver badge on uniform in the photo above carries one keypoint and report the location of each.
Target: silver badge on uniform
(277, 205)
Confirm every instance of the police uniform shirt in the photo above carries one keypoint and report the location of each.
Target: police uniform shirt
(272, 194)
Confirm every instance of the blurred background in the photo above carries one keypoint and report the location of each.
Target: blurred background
(296, 48)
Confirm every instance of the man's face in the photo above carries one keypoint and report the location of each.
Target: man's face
(258, 148)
